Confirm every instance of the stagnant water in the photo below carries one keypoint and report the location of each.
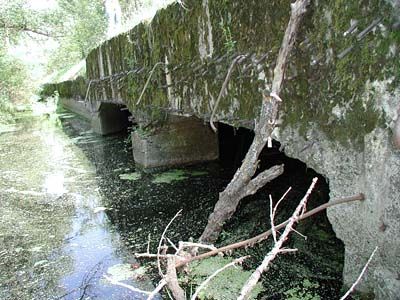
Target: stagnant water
(55, 238)
(73, 208)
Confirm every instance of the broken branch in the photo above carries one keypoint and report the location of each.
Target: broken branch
(255, 277)
(360, 276)
(266, 234)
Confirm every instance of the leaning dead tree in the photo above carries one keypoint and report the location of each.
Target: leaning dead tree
(243, 184)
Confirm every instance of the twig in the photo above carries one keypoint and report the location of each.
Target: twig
(150, 255)
(172, 280)
(148, 243)
(255, 277)
(363, 33)
(129, 287)
(148, 81)
(360, 276)
(195, 245)
(161, 240)
(273, 211)
(272, 217)
(89, 277)
(266, 234)
(159, 287)
(205, 282)
(172, 244)
(223, 89)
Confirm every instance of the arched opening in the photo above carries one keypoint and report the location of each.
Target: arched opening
(320, 255)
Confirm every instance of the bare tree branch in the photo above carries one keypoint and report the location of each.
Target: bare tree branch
(255, 277)
(229, 199)
(127, 286)
(360, 276)
(224, 87)
(161, 240)
(263, 236)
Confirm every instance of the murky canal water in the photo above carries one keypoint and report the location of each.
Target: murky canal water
(73, 208)
(55, 238)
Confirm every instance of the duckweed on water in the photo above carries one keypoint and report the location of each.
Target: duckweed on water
(305, 291)
(170, 176)
(130, 176)
(198, 173)
(234, 278)
(177, 175)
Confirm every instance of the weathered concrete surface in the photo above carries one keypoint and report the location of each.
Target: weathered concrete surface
(179, 141)
(375, 172)
(84, 109)
(105, 118)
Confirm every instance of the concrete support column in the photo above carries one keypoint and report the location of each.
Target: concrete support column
(181, 141)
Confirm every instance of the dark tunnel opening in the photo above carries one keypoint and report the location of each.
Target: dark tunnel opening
(252, 215)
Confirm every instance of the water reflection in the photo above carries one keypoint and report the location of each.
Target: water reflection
(55, 237)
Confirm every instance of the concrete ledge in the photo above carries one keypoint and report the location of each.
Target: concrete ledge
(181, 141)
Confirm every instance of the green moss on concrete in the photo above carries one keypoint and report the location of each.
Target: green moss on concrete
(67, 89)
(319, 82)
(334, 82)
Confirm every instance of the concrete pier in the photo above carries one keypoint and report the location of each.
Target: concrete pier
(181, 141)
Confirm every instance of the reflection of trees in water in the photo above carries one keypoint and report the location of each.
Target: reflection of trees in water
(33, 224)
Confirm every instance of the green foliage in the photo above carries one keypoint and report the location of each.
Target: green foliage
(78, 26)
(17, 19)
(305, 291)
(85, 27)
(230, 44)
(13, 83)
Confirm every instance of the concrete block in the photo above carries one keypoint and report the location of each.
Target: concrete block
(181, 141)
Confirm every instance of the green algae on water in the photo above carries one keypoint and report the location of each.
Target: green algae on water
(170, 176)
(198, 173)
(176, 175)
(130, 176)
(234, 278)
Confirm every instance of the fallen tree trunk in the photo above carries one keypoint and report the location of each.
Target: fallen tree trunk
(243, 183)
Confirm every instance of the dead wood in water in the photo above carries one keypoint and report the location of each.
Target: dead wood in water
(278, 244)
(243, 183)
(263, 236)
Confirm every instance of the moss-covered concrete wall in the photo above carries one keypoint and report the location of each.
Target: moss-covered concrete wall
(325, 80)
(74, 89)
(328, 70)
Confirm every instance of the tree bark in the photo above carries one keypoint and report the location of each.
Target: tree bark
(242, 183)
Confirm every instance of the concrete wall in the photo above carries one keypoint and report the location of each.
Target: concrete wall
(180, 141)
